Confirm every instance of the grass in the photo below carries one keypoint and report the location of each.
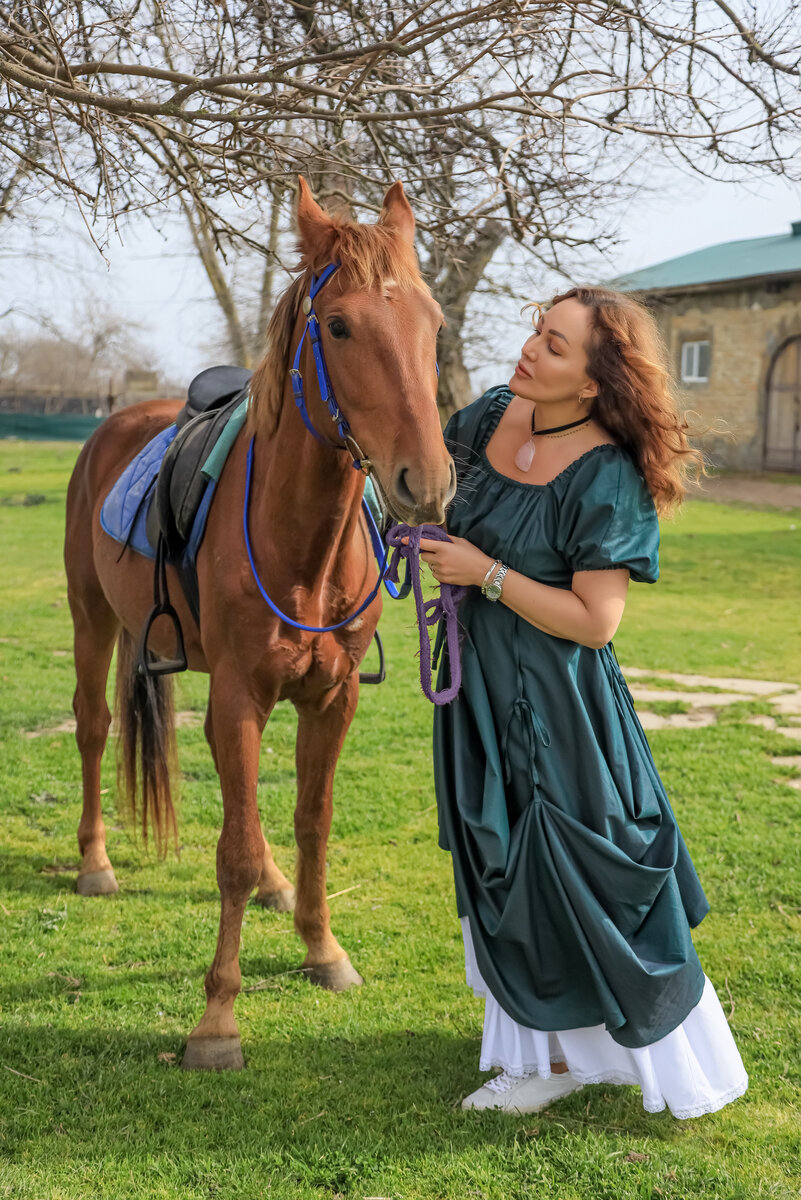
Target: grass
(357, 1095)
(664, 708)
(726, 602)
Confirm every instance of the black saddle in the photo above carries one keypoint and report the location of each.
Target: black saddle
(211, 389)
(180, 484)
(179, 489)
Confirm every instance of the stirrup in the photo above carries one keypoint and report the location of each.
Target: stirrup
(380, 675)
(147, 663)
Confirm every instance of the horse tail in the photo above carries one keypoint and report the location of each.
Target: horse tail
(146, 755)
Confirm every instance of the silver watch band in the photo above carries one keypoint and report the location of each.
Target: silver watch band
(495, 589)
(496, 562)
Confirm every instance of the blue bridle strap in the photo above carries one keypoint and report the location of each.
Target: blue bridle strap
(380, 551)
(312, 327)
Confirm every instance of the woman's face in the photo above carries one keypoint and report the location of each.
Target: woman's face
(553, 361)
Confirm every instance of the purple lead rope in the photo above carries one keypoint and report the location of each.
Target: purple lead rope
(442, 608)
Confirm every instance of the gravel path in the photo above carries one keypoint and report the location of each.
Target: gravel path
(749, 488)
(705, 695)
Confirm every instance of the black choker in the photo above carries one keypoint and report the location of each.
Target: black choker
(556, 428)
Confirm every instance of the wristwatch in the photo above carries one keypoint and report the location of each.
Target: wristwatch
(493, 590)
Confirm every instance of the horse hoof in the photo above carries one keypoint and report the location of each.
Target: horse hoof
(97, 883)
(335, 977)
(282, 901)
(213, 1054)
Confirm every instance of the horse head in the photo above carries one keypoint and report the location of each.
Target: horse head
(378, 330)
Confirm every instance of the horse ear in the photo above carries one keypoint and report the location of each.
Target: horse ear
(316, 229)
(397, 213)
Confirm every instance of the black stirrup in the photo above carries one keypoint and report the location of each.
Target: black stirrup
(147, 663)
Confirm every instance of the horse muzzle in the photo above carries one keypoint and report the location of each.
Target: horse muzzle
(420, 497)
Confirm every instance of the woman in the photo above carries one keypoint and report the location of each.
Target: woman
(574, 887)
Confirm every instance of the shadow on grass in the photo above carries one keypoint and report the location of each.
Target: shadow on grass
(393, 1096)
(260, 974)
(36, 874)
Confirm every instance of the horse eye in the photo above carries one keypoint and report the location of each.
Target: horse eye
(338, 329)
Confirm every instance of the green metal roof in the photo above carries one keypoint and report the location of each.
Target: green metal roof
(780, 255)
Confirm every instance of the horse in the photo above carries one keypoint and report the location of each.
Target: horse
(378, 326)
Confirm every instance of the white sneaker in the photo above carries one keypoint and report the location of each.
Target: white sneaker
(522, 1093)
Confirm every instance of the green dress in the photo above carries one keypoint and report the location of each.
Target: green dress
(567, 857)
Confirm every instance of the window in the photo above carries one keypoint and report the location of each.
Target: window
(695, 362)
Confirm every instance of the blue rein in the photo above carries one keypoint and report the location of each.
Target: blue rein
(360, 462)
(284, 617)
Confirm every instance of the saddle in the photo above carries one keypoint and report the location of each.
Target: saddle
(212, 399)
(214, 412)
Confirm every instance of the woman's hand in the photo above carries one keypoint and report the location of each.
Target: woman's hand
(457, 561)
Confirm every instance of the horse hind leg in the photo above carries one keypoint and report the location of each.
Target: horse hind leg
(95, 636)
(273, 889)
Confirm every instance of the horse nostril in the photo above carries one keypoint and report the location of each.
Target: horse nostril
(402, 490)
(452, 483)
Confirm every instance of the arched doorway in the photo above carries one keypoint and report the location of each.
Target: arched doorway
(782, 450)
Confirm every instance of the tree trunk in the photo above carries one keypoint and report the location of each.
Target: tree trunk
(207, 251)
(267, 296)
(454, 390)
(460, 280)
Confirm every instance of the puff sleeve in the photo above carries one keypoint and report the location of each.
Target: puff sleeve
(468, 428)
(608, 520)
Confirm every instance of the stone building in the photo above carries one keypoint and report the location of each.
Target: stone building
(731, 317)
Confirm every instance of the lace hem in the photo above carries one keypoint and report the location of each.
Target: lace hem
(518, 1070)
(711, 1106)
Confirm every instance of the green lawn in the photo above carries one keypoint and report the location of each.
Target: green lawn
(357, 1095)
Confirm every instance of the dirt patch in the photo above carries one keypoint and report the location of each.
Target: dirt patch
(749, 488)
(183, 720)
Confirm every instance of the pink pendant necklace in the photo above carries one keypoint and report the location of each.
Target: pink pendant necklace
(525, 455)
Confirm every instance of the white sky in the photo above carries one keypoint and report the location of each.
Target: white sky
(157, 283)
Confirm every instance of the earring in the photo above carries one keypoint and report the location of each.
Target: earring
(581, 398)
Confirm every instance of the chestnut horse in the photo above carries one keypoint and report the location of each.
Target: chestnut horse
(378, 326)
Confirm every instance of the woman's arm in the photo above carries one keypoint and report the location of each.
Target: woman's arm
(589, 613)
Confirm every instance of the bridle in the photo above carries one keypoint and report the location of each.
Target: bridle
(360, 461)
(312, 327)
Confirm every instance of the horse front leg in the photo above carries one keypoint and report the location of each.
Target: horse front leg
(273, 889)
(321, 732)
(214, 1044)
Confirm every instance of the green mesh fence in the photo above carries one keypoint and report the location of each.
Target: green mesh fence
(37, 427)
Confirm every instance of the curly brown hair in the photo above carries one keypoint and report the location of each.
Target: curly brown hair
(637, 401)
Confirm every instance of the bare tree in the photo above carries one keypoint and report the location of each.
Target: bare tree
(506, 118)
(85, 359)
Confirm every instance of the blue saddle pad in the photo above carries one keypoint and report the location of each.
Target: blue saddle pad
(124, 510)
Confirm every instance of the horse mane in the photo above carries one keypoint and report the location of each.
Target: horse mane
(368, 254)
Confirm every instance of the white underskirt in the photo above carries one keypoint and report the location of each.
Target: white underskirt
(696, 1069)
